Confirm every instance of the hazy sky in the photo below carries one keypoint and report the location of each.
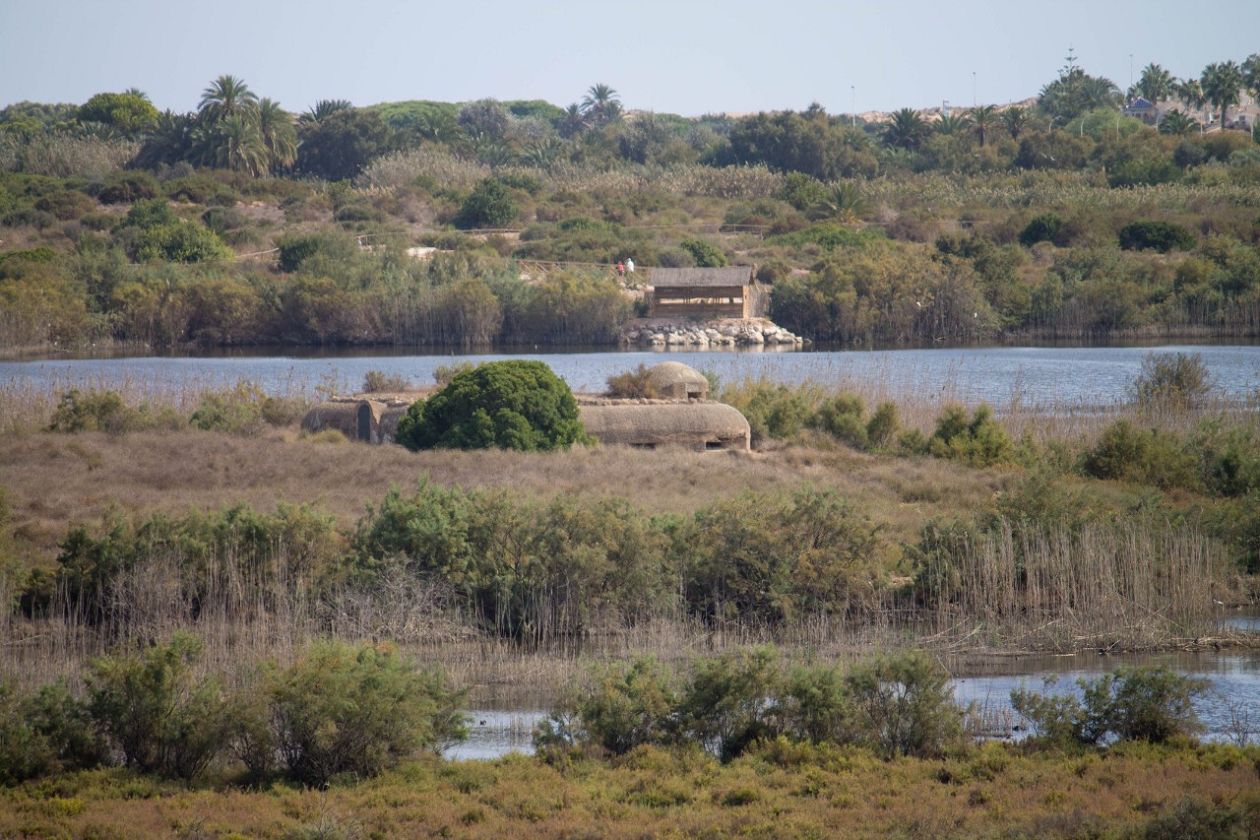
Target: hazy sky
(684, 57)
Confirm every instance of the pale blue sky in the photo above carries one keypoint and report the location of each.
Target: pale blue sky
(684, 57)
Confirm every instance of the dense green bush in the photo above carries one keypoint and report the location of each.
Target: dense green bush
(766, 559)
(904, 705)
(731, 701)
(705, 254)
(1143, 456)
(1229, 457)
(316, 250)
(899, 704)
(1048, 227)
(773, 410)
(1156, 236)
(48, 732)
(490, 205)
(883, 425)
(617, 709)
(841, 417)
(979, 441)
(91, 411)
(346, 710)
(510, 405)
(157, 711)
(1152, 704)
(237, 411)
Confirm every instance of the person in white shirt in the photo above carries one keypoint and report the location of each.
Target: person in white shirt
(629, 266)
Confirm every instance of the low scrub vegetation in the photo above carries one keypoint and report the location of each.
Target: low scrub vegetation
(1131, 704)
(899, 705)
(339, 710)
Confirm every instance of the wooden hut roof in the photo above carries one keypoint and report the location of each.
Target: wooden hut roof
(733, 275)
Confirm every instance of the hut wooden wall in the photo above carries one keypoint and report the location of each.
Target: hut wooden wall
(699, 302)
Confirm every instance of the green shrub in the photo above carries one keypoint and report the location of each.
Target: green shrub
(1229, 458)
(1143, 456)
(65, 723)
(490, 205)
(729, 702)
(511, 405)
(624, 707)
(841, 417)
(904, 705)
(179, 241)
(704, 253)
(343, 709)
(1157, 236)
(774, 410)
(155, 709)
(24, 752)
(1197, 818)
(816, 705)
(1172, 380)
(92, 411)
(1152, 704)
(632, 384)
(321, 249)
(238, 411)
(127, 188)
(803, 191)
(772, 559)
(980, 441)
(882, 427)
(1047, 227)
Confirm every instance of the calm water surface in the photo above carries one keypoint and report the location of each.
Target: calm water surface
(1044, 376)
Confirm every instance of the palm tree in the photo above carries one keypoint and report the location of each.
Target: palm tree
(601, 104)
(227, 96)
(322, 110)
(234, 143)
(1175, 122)
(906, 129)
(278, 135)
(1189, 93)
(845, 203)
(1156, 83)
(572, 122)
(951, 124)
(1221, 82)
(982, 121)
(171, 139)
(1251, 74)
(1014, 120)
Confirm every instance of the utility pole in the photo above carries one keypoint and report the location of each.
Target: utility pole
(973, 88)
(853, 104)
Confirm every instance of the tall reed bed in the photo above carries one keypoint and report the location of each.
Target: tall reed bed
(1134, 584)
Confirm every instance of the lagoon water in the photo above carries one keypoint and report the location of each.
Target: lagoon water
(1002, 376)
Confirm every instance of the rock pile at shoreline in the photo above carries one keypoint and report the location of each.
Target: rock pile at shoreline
(712, 336)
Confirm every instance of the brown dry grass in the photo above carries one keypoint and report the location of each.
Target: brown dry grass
(53, 479)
